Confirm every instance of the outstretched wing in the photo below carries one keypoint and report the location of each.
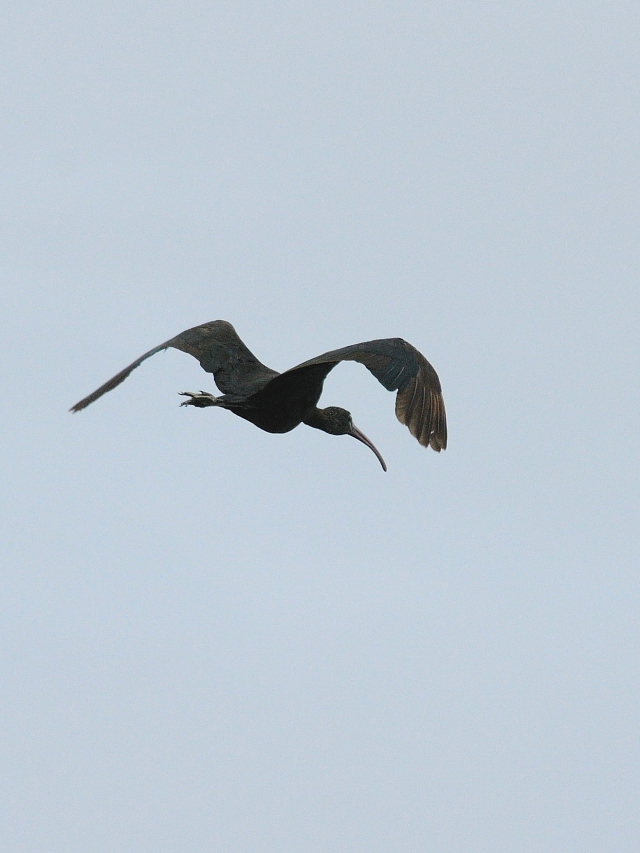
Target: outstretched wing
(219, 350)
(399, 367)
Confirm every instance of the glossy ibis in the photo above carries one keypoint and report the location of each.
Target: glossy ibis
(278, 402)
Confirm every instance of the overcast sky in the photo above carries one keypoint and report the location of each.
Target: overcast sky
(216, 639)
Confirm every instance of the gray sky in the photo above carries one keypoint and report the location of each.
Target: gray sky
(216, 639)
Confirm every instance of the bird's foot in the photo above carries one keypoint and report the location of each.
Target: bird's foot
(200, 399)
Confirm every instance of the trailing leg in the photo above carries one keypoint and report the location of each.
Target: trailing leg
(200, 399)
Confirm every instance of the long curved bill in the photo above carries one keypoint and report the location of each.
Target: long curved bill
(356, 433)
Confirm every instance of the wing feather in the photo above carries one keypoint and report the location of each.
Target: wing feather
(398, 366)
(219, 350)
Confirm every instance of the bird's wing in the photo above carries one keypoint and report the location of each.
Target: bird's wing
(219, 350)
(399, 367)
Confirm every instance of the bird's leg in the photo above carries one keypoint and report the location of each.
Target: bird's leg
(201, 399)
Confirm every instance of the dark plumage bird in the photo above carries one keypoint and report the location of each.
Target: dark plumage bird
(278, 402)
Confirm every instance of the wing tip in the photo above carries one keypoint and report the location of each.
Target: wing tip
(438, 441)
(424, 415)
(117, 379)
(86, 401)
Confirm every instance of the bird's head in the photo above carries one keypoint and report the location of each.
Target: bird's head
(337, 421)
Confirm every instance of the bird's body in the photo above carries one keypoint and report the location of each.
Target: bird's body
(279, 402)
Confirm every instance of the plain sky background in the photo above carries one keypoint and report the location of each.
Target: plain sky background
(216, 640)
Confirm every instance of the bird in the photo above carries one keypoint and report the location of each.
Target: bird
(279, 402)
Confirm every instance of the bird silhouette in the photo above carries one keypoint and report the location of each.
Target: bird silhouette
(279, 402)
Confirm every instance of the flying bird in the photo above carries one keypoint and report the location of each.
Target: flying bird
(279, 402)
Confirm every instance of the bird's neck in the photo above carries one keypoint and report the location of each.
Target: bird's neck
(317, 419)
